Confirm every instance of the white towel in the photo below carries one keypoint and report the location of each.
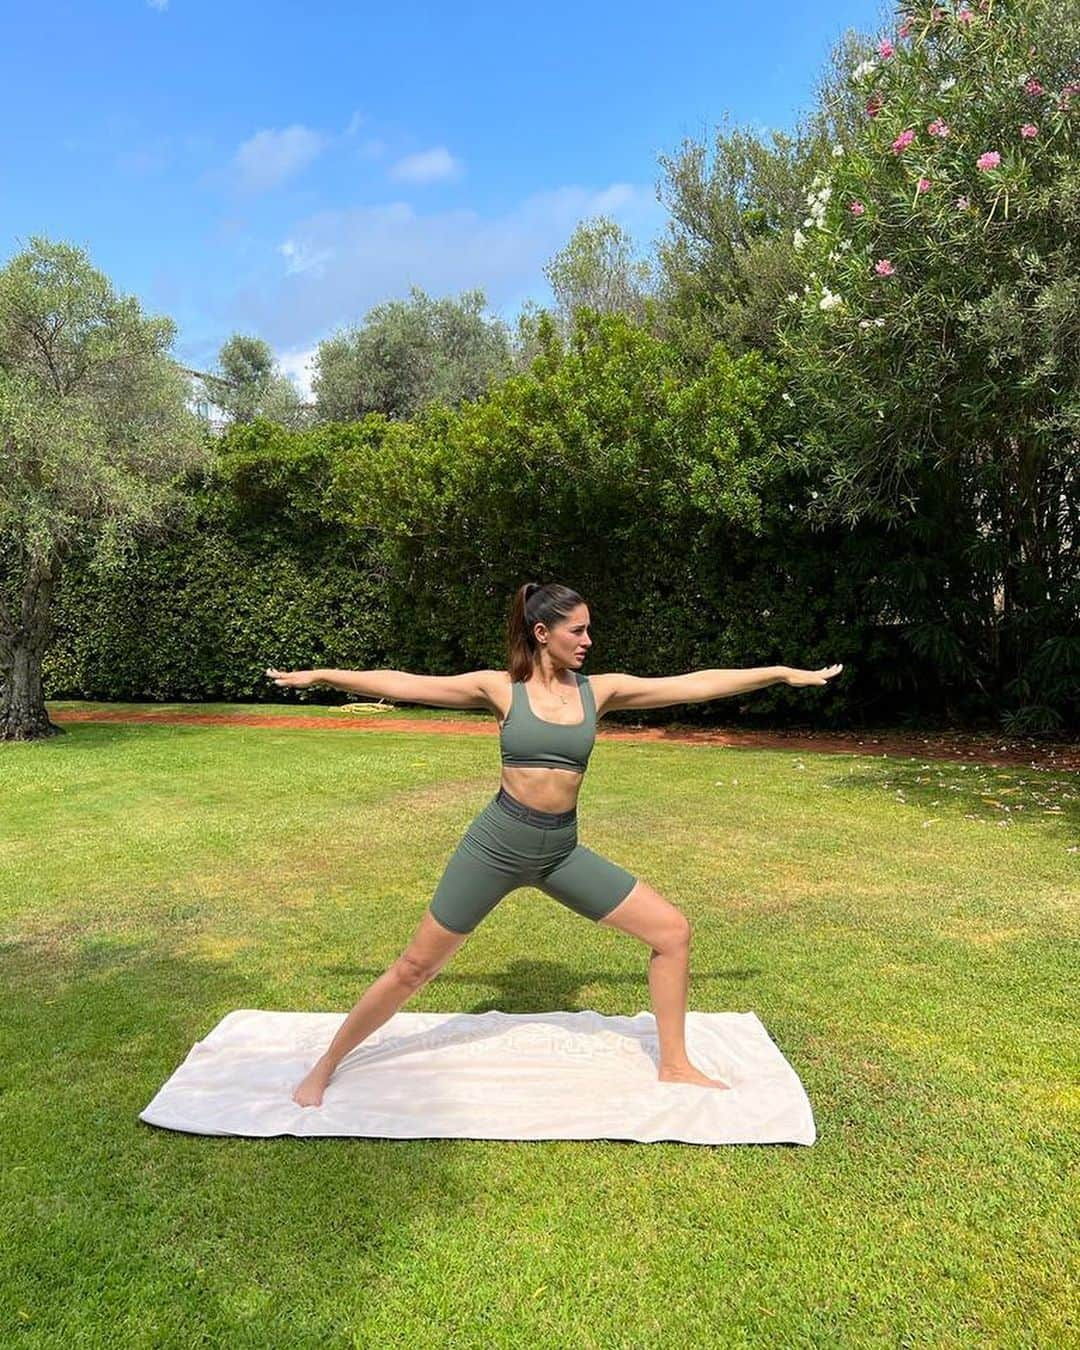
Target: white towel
(492, 1075)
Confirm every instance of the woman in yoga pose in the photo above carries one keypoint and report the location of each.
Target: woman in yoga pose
(527, 834)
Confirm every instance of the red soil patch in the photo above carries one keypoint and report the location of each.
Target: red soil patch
(973, 747)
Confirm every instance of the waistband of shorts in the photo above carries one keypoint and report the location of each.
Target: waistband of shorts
(530, 814)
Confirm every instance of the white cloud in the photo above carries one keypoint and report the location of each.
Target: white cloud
(300, 258)
(269, 157)
(298, 365)
(339, 264)
(427, 166)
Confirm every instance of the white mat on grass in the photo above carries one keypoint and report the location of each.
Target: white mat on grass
(492, 1075)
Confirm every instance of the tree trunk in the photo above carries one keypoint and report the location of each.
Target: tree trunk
(23, 716)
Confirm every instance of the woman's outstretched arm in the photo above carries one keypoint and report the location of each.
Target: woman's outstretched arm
(470, 690)
(698, 686)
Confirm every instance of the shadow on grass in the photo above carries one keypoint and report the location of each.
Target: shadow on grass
(1019, 798)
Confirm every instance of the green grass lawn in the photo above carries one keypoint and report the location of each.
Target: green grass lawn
(904, 928)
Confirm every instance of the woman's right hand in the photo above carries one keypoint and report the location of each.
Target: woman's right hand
(292, 679)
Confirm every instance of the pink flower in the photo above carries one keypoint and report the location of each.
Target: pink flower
(884, 268)
(938, 128)
(923, 185)
(936, 13)
(1034, 88)
(903, 141)
(964, 16)
(962, 203)
(856, 208)
(1029, 130)
(873, 104)
(904, 29)
(886, 48)
(990, 160)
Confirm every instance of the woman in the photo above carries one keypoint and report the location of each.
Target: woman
(527, 834)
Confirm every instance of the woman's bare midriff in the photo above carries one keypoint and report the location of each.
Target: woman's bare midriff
(543, 789)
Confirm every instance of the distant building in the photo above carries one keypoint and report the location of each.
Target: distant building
(200, 403)
(213, 416)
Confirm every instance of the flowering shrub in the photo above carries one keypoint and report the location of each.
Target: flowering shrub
(977, 67)
(946, 242)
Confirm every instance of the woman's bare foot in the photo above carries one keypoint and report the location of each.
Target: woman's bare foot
(686, 1073)
(309, 1092)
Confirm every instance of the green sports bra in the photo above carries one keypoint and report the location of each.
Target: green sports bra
(525, 739)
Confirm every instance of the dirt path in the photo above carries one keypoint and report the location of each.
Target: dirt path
(973, 747)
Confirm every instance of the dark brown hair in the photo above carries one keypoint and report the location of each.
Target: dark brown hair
(534, 604)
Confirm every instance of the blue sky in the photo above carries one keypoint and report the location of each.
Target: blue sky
(278, 169)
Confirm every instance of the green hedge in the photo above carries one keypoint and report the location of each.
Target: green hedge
(668, 502)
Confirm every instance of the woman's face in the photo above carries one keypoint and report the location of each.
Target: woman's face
(568, 642)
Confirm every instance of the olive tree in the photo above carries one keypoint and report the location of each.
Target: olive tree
(248, 385)
(95, 434)
(408, 355)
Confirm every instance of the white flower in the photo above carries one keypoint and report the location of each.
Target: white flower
(798, 240)
(865, 323)
(837, 150)
(816, 200)
(863, 69)
(880, 323)
(787, 398)
(829, 300)
(792, 299)
(808, 222)
(946, 85)
(844, 245)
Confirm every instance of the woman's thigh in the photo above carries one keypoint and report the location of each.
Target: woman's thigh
(470, 887)
(587, 883)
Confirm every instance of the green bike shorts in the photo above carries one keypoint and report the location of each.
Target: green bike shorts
(509, 845)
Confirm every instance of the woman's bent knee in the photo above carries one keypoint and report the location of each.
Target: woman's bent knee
(678, 934)
(673, 933)
(645, 914)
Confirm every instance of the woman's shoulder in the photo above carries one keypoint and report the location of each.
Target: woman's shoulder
(497, 687)
(601, 687)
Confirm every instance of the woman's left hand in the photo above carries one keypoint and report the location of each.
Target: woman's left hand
(799, 678)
